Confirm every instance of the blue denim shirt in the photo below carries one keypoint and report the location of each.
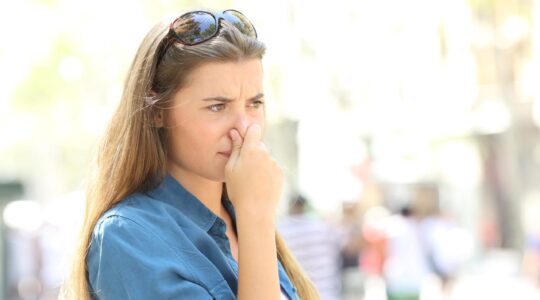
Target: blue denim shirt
(165, 244)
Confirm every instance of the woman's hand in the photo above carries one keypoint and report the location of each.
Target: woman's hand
(254, 182)
(253, 178)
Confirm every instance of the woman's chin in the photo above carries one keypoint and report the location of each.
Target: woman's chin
(219, 176)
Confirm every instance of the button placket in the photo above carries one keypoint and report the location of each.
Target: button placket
(218, 232)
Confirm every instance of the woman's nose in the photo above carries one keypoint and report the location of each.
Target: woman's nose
(241, 124)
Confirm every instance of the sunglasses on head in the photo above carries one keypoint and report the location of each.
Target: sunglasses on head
(196, 27)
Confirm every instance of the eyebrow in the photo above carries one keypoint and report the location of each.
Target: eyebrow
(225, 99)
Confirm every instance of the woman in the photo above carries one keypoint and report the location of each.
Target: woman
(183, 202)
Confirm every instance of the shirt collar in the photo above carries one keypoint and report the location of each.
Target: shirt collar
(173, 193)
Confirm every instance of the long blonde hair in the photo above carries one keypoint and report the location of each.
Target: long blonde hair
(133, 153)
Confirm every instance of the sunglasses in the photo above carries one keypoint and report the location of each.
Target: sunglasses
(197, 27)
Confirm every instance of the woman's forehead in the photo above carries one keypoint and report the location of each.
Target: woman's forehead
(225, 79)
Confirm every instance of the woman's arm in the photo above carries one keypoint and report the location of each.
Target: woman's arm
(257, 258)
(254, 182)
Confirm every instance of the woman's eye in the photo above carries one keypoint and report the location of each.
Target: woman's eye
(216, 107)
(257, 103)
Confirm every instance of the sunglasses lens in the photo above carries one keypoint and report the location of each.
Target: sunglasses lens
(195, 27)
(241, 22)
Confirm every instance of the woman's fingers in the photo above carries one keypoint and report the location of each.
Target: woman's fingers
(253, 177)
(252, 137)
(237, 145)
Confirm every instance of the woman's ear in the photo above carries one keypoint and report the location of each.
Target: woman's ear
(159, 119)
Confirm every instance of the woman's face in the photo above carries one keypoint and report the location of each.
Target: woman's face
(218, 97)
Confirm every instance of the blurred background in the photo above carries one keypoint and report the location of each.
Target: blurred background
(408, 131)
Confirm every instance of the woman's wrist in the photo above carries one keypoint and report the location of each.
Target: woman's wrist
(256, 216)
(255, 222)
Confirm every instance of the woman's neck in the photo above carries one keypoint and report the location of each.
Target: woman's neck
(207, 191)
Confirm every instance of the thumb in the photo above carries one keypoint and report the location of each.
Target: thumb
(253, 135)
(237, 145)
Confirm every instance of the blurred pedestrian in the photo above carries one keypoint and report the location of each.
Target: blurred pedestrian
(352, 278)
(439, 235)
(406, 267)
(315, 244)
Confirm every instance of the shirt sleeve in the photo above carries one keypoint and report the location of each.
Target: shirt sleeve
(126, 261)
